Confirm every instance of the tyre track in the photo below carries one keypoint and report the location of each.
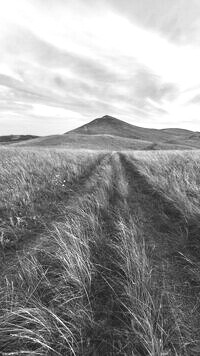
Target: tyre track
(114, 187)
(168, 245)
(158, 212)
(10, 256)
(97, 192)
(167, 217)
(108, 337)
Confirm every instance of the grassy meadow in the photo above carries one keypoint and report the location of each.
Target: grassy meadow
(99, 253)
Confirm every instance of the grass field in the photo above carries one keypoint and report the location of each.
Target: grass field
(100, 253)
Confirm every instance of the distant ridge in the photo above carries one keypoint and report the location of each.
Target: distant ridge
(9, 139)
(111, 133)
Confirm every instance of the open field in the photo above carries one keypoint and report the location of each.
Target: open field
(100, 253)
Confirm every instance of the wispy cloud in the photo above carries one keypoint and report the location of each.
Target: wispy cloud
(67, 62)
(174, 19)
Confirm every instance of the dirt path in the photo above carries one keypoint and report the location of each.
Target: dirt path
(9, 256)
(165, 232)
(117, 187)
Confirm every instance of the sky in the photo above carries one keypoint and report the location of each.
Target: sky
(66, 62)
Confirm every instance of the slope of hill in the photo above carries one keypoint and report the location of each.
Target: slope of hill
(9, 139)
(112, 134)
(111, 125)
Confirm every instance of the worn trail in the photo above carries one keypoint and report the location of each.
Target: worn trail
(168, 245)
(113, 191)
(73, 191)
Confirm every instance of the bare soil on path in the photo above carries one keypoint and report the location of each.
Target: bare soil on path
(162, 229)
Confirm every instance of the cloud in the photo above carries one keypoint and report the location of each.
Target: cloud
(177, 20)
(195, 99)
(150, 85)
(76, 60)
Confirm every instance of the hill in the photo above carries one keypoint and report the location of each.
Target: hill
(113, 134)
(110, 125)
(9, 139)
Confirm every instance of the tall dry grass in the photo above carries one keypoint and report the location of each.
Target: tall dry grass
(175, 174)
(92, 284)
(33, 186)
(46, 306)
